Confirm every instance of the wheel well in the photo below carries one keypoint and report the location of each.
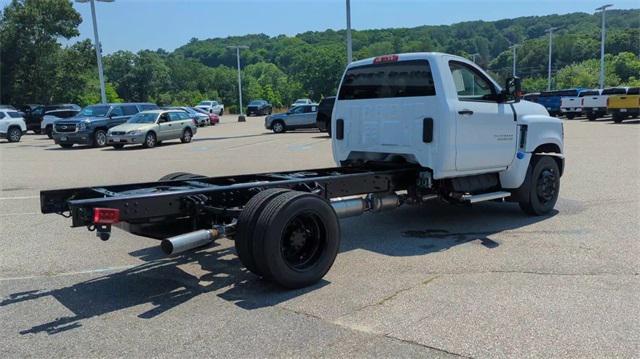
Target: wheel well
(14, 126)
(552, 148)
(101, 128)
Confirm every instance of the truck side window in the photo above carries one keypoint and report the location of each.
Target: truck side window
(470, 84)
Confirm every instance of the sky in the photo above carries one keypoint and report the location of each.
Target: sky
(151, 24)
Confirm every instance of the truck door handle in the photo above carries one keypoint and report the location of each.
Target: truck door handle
(465, 112)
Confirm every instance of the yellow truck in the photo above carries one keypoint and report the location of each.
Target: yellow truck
(622, 106)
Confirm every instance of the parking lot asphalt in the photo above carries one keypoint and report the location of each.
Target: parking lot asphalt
(431, 281)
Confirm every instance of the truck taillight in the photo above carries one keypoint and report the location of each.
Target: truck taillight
(106, 215)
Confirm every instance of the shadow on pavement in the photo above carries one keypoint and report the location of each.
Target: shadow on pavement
(161, 282)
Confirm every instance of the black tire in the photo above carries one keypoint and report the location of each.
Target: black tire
(66, 145)
(541, 187)
(118, 147)
(37, 131)
(187, 136)
(329, 128)
(592, 116)
(150, 140)
(100, 138)
(221, 112)
(617, 118)
(180, 176)
(49, 131)
(278, 127)
(246, 226)
(296, 240)
(571, 116)
(14, 134)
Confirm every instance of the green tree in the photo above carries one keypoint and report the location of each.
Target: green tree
(29, 30)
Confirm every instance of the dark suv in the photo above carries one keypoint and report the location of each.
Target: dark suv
(33, 115)
(90, 126)
(259, 108)
(325, 108)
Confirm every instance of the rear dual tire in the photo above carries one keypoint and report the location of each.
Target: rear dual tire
(289, 237)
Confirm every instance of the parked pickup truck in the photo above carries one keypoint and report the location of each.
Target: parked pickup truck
(90, 126)
(212, 107)
(407, 129)
(550, 100)
(570, 103)
(622, 106)
(594, 103)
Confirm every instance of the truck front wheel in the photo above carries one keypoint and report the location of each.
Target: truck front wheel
(541, 187)
(296, 239)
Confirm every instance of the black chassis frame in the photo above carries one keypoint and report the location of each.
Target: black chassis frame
(218, 199)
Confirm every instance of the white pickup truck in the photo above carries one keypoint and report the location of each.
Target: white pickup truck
(594, 103)
(571, 103)
(405, 129)
(211, 107)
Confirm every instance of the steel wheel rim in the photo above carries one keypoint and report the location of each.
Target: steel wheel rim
(546, 187)
(303, 241)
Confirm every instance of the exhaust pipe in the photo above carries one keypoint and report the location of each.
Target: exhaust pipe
(188, 241)
(355, 206)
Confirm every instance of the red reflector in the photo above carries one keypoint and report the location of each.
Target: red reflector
(385, 58)
(106, 215)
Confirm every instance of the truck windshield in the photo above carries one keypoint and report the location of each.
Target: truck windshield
(388, 80)
(95, 110)
(144, 118)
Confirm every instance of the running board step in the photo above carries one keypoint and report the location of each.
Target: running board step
(474, 198)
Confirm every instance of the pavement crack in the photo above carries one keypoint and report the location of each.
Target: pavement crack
(299, 312)
(426, 346)
(390, 297)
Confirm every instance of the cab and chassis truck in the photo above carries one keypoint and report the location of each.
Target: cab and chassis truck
(407, 129)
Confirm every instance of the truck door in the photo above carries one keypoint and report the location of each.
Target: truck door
(485, 128)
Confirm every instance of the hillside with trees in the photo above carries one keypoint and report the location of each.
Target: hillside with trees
(36, 68)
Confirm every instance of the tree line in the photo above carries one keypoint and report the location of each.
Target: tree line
(36, 68)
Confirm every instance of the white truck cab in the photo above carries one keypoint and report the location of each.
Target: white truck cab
(445, 114)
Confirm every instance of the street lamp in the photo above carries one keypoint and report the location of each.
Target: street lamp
(550, 31)
(603, 9)
(349, 51)
(514, 47)
(241, 116)
(103, 93)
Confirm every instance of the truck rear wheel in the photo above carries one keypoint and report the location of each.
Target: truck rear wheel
(247, 223)
(296, 239)
(617, 118)
(542, 186)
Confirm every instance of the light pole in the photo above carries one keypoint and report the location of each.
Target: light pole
(241, 116)
(550, 31)
(103, 93)
(603, 9)
(349, 50)
(514, 47)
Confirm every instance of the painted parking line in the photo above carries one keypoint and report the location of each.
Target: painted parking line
(13, 198)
